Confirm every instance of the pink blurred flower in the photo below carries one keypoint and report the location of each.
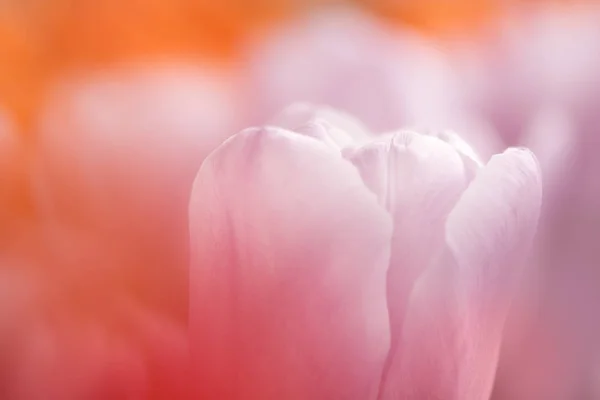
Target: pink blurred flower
(117, 153)
(385, 76)
(101, 273)
(539, 86)
(536, 58)
(330, 263)
(11, 166)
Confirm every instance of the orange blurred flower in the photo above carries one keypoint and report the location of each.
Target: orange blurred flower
(39, 40)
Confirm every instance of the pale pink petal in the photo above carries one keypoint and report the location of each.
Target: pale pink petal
(377, 166)
(497, 215)
(551, 319)
(290, 253)
(343, 129)
(460, 145)
(454, 324)
(471, 160)
(418, 178)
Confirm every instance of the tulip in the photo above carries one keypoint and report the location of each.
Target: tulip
(330, 263)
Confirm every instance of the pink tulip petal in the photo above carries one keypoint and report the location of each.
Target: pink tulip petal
(497, 215)
(418, 179)
(343, 129)
(290, 254)
(470, 158)
(454, 324)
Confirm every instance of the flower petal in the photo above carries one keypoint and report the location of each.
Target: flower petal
(418, 179)
(453, 327)
(471, 160)
(342, 129)
(290, 252)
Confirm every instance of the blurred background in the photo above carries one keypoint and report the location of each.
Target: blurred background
(107, 109)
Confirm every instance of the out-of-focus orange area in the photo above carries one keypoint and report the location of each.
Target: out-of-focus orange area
(445, 17)
(39, 39)
(43, 40)
(436, 16)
